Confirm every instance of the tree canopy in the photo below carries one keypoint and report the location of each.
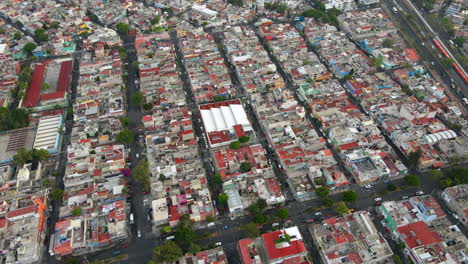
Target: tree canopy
(41, 34)
(245, 166)
(235, 145)
(223, 198)
(282, 213)
(322, 191)
(56, 194)
(122, 28)
(258, 206)
(167, 252)
(244, 139)
(341, 208)
(327, 201)
(125, 137)
(414, 157)
(77, 211)
(350, 196)
(184, 234)
(155, 20)
(250, 230)
(13, 118)
(412, 180)
(141, 173)
(138, 98)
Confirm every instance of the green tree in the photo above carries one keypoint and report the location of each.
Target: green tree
(45, 86)
(17, 35)
(282, 213)
(260, 219)
(167, 252)
(341, 208)
(458, 175)
(194, 248)
(262, 204)
(315, 13)
(327, 201)
(459, 41)
(48, 182)
(122, 28)
(210, 219)
(29, 47)
(397, 259)
(235, 145)
(76, 212)
(223, 198)
(447, 62)
(376, 62)
(322, 191)
(136, 66)
(446, 183)
(56, 194)
(250, 230)
(281, 8)
(387, 43)
(69, 113)
(435, 174)
(40, 154)
(218, 98)
(350, 196)
(414, 157)
(244, 139)
(138, 98)
(184, 234)
(245, 166)
(41, 34)
(412, 180)
(217, 178)
(141, 174)
(125, 137)
(391, 187)
(22, 156)
(238, 3)
(125, 122)
(155, 20)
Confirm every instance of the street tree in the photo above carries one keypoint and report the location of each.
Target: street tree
(350, 196)
(122, 28)
(376, 61)
(184, 234)
(341, 208)
(56, 194)
(141, 174)
(459, 41)
(194, 248)
(322, 191)
(282, 213)
(29, 47)
(41, 34)
(17, 35)
(138, 98)
(217, 179)
(447, 62)
(167, 252)
(435, 174)
(250, 230)
(223, 198)
(126, 137)
(414, 158)
(391, 187)
(327, 201)
(260, 219)
(315, 13)
(412, 180)
(125, 122)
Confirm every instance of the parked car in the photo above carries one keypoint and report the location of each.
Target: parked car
(116, 252)
(124, 246)
(139, 233)
(275, 224)
(368, 186)
(318, 213)
(378, 199)
(419, 193)
(218, 244)
(404, 197)
(310, 220)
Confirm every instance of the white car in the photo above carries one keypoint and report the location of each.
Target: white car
(420, 193)
(275, 224)
(218, 244)
(318, 213)
(378, 199)
(139, 233)
(368, 186)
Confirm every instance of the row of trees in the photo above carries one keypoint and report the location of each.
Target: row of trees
(141, 174)
(340, 207)
(22, 155)
(185, 239)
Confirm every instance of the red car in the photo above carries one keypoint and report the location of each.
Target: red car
(124, 246)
